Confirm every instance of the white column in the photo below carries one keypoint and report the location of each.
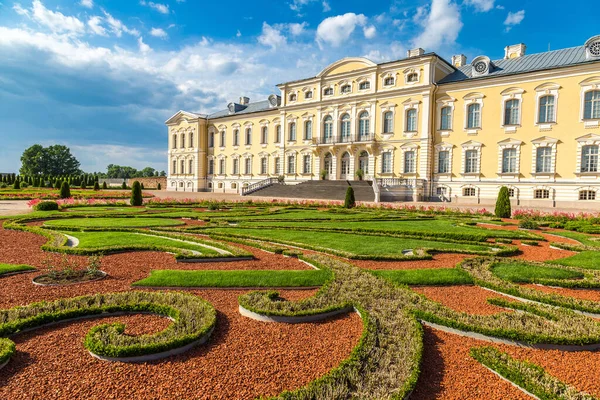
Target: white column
(317, 165)
(353, 123)
(352, 164)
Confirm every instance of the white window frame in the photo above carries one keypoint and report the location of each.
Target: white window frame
(407, 72)
(390, 153)
(471, 145)
(445, 101)
(305, 170)
(473, 98)
(438, 149)
(507, 95)
(410, 104)
(546, 89)
(509, 144)
(385, 108)
(408, 149)
(587, 140)
(588, 84)
(387, 76)
(543, 141)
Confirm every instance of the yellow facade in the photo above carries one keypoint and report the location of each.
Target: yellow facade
(391, 121)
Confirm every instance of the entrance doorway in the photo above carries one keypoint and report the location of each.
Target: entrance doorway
(363, 162)
(327, 165)
(345, 171)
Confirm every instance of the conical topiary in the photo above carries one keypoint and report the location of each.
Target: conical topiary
(104, 185)
(503, 209)
(96, 186)
(136, 194)
(349, 201)
(65, 190)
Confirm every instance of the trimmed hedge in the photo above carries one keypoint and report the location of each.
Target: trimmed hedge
(46, 206)
(193, 319)
(7, 349)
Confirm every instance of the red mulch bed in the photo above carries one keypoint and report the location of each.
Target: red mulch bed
(469, 299)
(542, 252)
(583, 294)
(244, 358)
(442, 260)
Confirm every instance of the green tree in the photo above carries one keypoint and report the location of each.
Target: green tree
(17, 184)
(53, 160)
(104, 185)
(96, 186)
(148, 172)
(136, 194)
(349, 201)
(32, 160)
(65, 190)
(503, 209)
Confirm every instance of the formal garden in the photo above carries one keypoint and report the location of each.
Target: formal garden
(297, 300)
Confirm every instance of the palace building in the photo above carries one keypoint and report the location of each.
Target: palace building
(441, 131)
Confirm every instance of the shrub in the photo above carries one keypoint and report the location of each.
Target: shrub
(323, 174)
(104, 185)
(65, 190)
(349, 201)
(58, 184)
(530, 242)
(83, 186)
(503, 209)
(24, 185)
(503, 240)
(3, 185)
(136, 194)
(280, 178)
(142, 185)
(46, 206)
(96, 186)
(359, 174)
(158, 187)
(528, 224)
(124, 185)
(17, 184)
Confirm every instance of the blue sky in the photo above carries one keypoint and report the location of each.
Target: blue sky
(102, 76)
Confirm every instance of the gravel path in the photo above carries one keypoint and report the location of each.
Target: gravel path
(442, 260)
(469, 299)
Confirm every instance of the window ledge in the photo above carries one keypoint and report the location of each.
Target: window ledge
(514, 174)
(543, 174)
(386, 174)
(510, 128)
(409, 174)
(588, 174)
(471, 174)
(591, 123)
(443, 173)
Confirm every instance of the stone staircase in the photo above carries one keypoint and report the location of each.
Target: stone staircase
(328, 190)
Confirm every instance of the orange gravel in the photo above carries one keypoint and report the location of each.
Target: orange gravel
(469, 299)
(583, 294)
(442, 260)
(542, 252)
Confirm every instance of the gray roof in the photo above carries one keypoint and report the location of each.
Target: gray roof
(527, 63)
(251, 108)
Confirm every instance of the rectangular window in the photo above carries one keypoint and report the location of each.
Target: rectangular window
(263, 165)
(591, 107)
(589, 158)
(411, 120)
(222, 167)
(509, 161)
(446, 118)
(223, 139)
(444, 162)
(543, 160)
(276, 163)
(278, 134)
(291, 165)
(248, 136)
(386, 163)
(471, 161)
(211, 167)
(474, 116)
(546, 111)
(264, 135)
(292, 133)
(174, 168)
(511, 192)
(511, 112)
(541, 194)
(308, 130)
(587, 195)
(409, 162)
(182, 165)
(191, 167)
(248, 166)
(440, 191)
(236, 166)
(469, 192)
(211, 140)
(388, 122)
(306, 164)
(236, 137)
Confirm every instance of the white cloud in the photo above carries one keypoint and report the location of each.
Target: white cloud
(117, 27)
(513, 19)
(161, 8)
(370, 31)
(271, 36)
(238, 34)
(336, 30)
(57, 22)
(87, 3)
(297, 5)
(420, 14)
(158, 32)
(481, 5)
(94, 23)
(144, 48)
(326, 6)
(297, 29)
(441, 27)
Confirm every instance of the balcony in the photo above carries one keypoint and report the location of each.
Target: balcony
(345, 139)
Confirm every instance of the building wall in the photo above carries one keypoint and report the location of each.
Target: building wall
(564, 136)
(150, 182)
(190, 177)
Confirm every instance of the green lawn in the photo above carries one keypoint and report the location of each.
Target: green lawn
(93, 240)
(426, 277)
(581, 237)
(529, 273)
(8, 268)
(585, 259)
(177, 278)
(112, 222)
(352, 243)
(93, 210)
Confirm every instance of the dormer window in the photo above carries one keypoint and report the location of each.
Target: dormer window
(412, 77)
(293, 97)
(346, 89)
(389, 81)
(308, 95)
(364, 85)
(592, 48)
(328, 92)
(481, 66)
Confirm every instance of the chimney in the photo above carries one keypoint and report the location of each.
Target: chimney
(459, 60)
(415, 52)
(514, 51)
(244, 101)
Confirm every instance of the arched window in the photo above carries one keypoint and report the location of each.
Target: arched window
(592, 105)
(363, 125)
(222, 138)
(211, 139)
(263, 165)
(308, 130)
(411, 120)
(346, 89)
(182, 171)
(364, 85)
(236, 137)
(308, 95)
(222, 166)
(413, 77)
(248, 166)
(328, 129)
(446, 118)
(278, 134)
(327, 164)
(292, 133)
(474, 116)
(546, 109)
(511, 112)
(389, 81)
(345, 167)
(191, 139)
(183, 140)
(306, 161)
(293, 97)
(248, 136)
(328, 91)
(264, 135)
(388, 122)
(174, 141)
(191, 167)
(345, 128)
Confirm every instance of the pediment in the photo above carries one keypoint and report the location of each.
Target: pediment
(183, 116)
(346, 65)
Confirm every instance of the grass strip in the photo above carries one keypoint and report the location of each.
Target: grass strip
(102, 222)
(222, 279)
(10, 268)
(426, 277)
(528, 376)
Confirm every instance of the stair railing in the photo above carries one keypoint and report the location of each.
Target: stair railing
(259, 185)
